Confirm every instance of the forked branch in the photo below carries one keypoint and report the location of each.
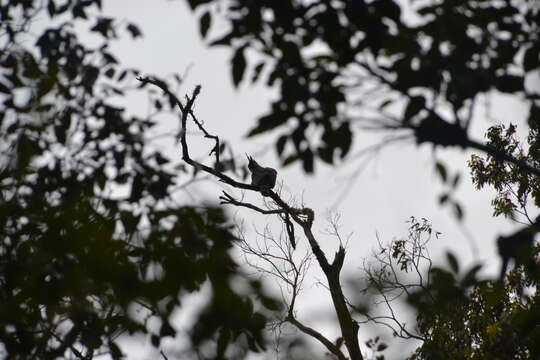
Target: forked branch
(303, 217)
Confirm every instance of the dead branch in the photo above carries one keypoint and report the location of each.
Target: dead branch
(396, 258)
(303, 217)
(317, 335)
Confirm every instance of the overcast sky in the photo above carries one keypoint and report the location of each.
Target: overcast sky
(397, 183)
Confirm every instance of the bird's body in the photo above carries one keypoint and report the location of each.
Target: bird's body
(262, 177)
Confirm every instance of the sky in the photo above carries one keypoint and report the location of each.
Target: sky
(396, 183)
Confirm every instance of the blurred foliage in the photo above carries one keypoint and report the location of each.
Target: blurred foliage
(333, 61)
(94, 244)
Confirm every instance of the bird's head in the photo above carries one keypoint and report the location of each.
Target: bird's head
(252, 164)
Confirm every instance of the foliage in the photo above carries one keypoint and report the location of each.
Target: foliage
(349, 64)
(91, 227)
(460, 319)
(514, 187)
(91, 231)
(458, 316)
(332, 59)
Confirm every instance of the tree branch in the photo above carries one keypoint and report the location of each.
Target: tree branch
(316, 335)
(446, 130)
(303, 217)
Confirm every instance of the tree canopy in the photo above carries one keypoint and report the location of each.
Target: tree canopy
(91, 229)
(332, 58)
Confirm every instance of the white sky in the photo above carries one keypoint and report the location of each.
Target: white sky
(398, 183)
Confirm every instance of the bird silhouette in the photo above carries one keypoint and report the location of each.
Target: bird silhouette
(262, 177)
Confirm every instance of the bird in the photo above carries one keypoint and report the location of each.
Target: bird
(263, 178)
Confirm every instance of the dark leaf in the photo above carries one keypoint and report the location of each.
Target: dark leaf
(531, 59)
(458, 211)
(110, 73)
(416, 104)
(167, 330)
(453, 262)
(257, 72)
(289, 160)
(509, 83)
(441, 170)
(238, 66)
(225, 40)
(155, 340)
(4, 89)
(204, 23)
(267, 123)
(134, 30)
(280, 144)
(116, 353)
(51, 8)
(307, 160)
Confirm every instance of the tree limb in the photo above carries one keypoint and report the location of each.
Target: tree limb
(303, 217)
(316, 335)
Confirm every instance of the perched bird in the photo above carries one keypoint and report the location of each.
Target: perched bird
(262, 177)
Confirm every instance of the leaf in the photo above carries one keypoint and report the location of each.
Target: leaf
(196, 3)
(134, 30)
(470, 278)
(223, 341)
(441, 170)
(267, 123)
(204, 23)
(456, 180)
(280, 144)
(452, 261)
(167, 330)
(257, 72)
(385, 103)
(509, 83)
(458, 211)
(389, 9)
(110, 73)
(289, 160)
(115, 351)
(443, 198)
(104, 26)
(307, 160)
(326, 154)
(345, 137)
(238, 66)
(122, 75)
(51, 8)
(4, 89)
(416, 104)
(531, 58)
(225, 40)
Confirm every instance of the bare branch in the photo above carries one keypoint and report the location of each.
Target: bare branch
(228, 199)
(317, 335)
(304, 217)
